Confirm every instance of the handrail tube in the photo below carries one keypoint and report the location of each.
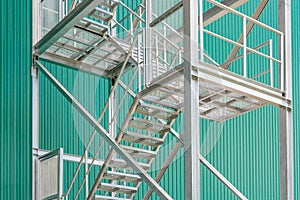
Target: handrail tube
(243, 15)
(240, 45)
(89, 169)
(240, 56)
(123, 97)
(170, 27)
(131, 11)
(166, 39)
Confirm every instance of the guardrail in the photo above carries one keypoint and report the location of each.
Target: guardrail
(247, 50)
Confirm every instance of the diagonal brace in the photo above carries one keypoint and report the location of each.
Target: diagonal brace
(249, 28)
(222, 178)
(125, 155)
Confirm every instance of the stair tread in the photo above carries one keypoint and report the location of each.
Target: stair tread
(100, 197)
(119, 163)
(156, 100)
(111, 175)
(144, 124)
(156, 111)
(117, 188)
(139, 152)
(142, 139)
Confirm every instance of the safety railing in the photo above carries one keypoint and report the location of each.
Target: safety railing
(134, 18)
(246, 49)
(52, 11)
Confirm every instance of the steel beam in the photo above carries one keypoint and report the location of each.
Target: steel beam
(81, 66)
(82, 10)
(241, 85)
(148, 44)
(286, 126)
(124, 155)
(249, 27)
(191, 100)
(70, 157)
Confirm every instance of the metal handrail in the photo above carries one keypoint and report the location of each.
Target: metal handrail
(245, 16)
(240, 56)
(241, 45)
(170, 27)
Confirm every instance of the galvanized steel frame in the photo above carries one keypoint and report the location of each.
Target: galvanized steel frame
(193, 72)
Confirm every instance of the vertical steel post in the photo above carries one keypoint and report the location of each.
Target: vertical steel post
(191, 100)
(286, 127)
(245, 46)
(36, 35)
(271, 62)
(148, 48)
(86, 174)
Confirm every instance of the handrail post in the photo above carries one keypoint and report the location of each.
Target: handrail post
(245, 46)
(131, 27)
(86, 175)
(282, 81)
(271, 63)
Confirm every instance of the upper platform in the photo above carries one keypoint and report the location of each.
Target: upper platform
(222, 94)
(83, 39)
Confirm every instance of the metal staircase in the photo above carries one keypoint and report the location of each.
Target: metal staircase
(141, 136)
(86, 39)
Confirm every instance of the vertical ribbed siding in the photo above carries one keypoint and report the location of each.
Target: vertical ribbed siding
(247, 152)
(15, 95)
(62, 126)
(296, 92)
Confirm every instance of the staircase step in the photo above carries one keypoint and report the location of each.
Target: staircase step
(117, 188)
(119, 163)
(119, 176)
(144, 124)
(163, 102)
(142, 139)
(101, 197)
(156, 111)
(140, 153)
(104, 14)
(111, 4)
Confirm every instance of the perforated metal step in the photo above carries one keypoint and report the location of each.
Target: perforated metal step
(142, 139)
(156, 111)
(119, 176)
(121, 164)
(101, 197)
(117, 188)
(139, 153)
(144, 124)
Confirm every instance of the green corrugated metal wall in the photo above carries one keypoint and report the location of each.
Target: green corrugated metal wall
(247, 152)
(15, 95)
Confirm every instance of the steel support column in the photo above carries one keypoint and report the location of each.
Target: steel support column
(36, 35)
(286, 130)
(191, 100)
(148, 49)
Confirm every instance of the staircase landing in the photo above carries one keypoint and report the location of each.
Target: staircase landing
(222, 94)
(82, 41)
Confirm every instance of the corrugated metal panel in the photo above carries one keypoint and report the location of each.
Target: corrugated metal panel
(61, 125)
(15, 95)
(296, 92)
(247, 151)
